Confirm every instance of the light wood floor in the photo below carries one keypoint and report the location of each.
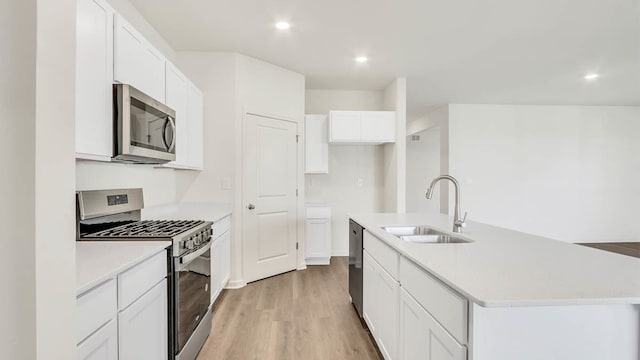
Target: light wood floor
(298, 315)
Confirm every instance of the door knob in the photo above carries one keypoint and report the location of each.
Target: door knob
(251, 207)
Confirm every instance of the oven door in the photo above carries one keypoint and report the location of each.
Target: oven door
(146, 128)
(192, 293)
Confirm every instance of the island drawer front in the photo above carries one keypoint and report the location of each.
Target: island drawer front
(136, 281)
(95, 308)
(221, 226)
(387, 257)
(448, 307)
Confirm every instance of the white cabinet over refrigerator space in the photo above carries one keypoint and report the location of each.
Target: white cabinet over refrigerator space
(94, 78)
(362, 127)
(316, 144)
(137, 62)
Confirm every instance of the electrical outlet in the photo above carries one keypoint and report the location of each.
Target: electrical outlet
(226, 183)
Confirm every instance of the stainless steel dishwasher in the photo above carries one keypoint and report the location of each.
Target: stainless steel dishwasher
(355, 265)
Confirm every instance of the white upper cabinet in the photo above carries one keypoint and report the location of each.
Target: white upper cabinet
(176, 98)
(344, 126)
(362, 127)
(195, 114)
(94, 77)
(316, 144)
(378, 126)
(137, 62)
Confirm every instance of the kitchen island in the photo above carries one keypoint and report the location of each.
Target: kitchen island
(503, 295)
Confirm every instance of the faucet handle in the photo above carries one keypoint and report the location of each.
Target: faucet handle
(463, 221)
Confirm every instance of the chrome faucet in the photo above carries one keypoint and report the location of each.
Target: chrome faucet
(458, 223)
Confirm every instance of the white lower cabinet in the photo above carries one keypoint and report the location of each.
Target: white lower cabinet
(143, 326)
(421, 337)
(126, 316)
(220, 256)
(410, 314)
(102, 345)
(381, 295)
(318, 235)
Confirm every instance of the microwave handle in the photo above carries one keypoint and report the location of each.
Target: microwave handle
(164, 134)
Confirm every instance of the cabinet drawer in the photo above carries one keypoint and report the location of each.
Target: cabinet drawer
(382, 253)
(318, 212)
(139, 279)
(447, 306)
(95, 308)
(221, 226)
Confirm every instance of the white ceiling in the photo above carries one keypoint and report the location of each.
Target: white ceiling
(451, 51)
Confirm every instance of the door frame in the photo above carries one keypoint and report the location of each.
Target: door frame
(241, 199)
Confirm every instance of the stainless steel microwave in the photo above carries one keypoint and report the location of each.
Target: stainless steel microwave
(145, 129)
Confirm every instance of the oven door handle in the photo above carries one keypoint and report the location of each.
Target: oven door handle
(194, 255)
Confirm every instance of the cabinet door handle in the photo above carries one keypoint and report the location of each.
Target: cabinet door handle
(251, 206)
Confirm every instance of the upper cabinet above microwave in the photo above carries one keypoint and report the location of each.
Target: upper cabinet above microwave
(109, 50)
(137, 62)
(94, 80)
(362, 127)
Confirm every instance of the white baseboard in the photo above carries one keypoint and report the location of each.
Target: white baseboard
(318, 261)
(235, 284)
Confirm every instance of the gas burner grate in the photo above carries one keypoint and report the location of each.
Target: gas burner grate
(148, 229)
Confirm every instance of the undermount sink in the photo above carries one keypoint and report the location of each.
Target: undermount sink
(422, 235)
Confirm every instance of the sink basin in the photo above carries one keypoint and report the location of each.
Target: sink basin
(422, 235)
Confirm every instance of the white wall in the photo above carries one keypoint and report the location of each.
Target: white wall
(436, 118)
(214, 74)
(395, 154)
(17, 178)
(159, 184)
(54, 215)
(423, 165)
(232, 85)
(347, 163)
(567, 172)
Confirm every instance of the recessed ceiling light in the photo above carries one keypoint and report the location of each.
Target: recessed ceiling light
(592, 76)
(282, 25)
(361, 59)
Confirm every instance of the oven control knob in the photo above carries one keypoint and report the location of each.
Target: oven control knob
(189, 244)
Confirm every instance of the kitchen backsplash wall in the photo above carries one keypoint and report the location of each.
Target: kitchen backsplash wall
(159, 184)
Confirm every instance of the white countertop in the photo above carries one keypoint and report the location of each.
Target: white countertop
(508, 268)
(97, 261)
(187, 211)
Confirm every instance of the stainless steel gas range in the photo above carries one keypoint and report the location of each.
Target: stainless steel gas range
(115, 215)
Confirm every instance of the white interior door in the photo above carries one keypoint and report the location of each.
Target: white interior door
(269, 193)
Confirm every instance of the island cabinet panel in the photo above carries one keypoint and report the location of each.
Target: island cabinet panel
(381, 294)
(421, 337)
(386, 256)
(447, 306)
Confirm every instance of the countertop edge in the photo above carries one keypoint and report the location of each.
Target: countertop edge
(375, 230)
(113, 273)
